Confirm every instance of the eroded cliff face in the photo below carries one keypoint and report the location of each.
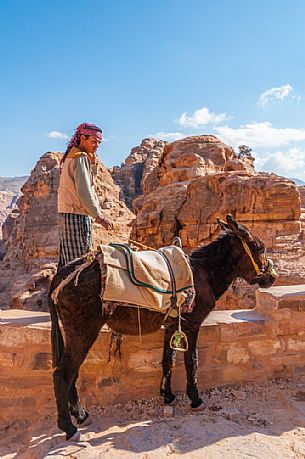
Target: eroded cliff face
(199, 179)
(9, 192)
(7, 204)
(32, 234)
(137, 174)
(182, 163)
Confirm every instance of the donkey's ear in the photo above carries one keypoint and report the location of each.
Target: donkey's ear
(232, 223)
(223, 225)
(237, 228)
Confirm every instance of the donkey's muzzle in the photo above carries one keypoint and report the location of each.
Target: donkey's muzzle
(267, 277)
(269, 268)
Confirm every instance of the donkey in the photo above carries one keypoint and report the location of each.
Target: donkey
(235, 254)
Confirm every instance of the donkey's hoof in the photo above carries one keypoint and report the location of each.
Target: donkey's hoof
(199, 408)
(74, 437)
(172, 403)
(85, 422)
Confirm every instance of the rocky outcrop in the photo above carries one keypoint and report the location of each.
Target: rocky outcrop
(9, 192)
(7, 204)
(268, 204)
(200, 179)
(182, 163)
(32, 245)
(302, 196)
(135, 176)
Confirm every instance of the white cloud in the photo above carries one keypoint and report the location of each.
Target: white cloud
(289, 163)
(169, 136)
(278, 94)
(259, 135)
(57, 135)
(201, 117)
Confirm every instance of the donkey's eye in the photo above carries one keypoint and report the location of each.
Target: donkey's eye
(257, 247)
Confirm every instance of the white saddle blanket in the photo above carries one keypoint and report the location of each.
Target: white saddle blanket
(148, 267)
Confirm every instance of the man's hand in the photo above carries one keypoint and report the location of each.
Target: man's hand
(104, 222)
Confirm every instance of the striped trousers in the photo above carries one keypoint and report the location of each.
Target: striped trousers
(75, 236)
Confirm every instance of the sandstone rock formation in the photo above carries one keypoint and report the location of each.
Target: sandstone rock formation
(302, 196)
(181, 163)
(9, 192)
(136, 173)
(32, 245)
(200, 179)
(7, 203)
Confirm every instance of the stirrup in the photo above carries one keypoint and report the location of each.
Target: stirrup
(178, 341)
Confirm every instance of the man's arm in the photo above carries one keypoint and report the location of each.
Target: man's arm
(85, 193)
(83, 186)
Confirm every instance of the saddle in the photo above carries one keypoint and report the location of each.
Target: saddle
(143, 278)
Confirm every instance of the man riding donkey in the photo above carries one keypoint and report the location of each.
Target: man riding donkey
(77, 199)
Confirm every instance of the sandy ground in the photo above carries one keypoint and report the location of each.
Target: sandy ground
(251, 421)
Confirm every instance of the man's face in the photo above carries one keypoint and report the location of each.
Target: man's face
(89, 144)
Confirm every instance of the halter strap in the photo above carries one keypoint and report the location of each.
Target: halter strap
(255, 265)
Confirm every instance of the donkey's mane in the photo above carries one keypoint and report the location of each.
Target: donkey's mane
(214, 248)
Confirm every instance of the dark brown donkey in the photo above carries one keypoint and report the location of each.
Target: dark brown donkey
(236, 253)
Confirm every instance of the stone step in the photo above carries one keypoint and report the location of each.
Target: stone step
(291, 297)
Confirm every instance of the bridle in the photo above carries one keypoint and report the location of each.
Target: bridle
(268, 263)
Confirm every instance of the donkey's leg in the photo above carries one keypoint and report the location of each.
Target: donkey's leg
(63, 377)
(168, 361)
(75, 407)
(66, 374)
(191, 365)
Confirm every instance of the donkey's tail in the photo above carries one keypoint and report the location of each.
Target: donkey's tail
(56, 335)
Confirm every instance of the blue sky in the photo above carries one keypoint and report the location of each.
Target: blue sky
(167, 69)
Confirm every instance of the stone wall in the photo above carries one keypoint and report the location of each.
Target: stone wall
(235, 347)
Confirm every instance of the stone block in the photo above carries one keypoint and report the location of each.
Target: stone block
(208, 334)
(233, 374)
(18, 337)
(241, 330)
(145, 362)
(209, 377)
(285, 327)
(11, 359)
(296, 345)
(288, 361)
(20, 402)
(265, 346)
(291, 297)
(236, 355)
(42, 361)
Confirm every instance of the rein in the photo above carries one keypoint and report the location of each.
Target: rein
(255, 265)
